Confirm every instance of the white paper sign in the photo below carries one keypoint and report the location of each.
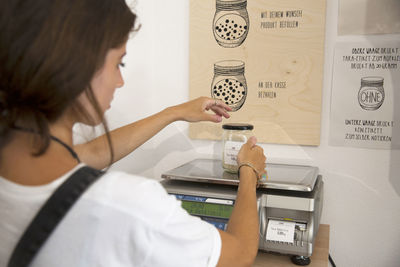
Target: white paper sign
(365, 92)
(281, 231)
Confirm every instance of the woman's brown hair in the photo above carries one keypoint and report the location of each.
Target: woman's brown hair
(49, 53)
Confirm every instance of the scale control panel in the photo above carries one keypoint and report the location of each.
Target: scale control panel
(212, 210)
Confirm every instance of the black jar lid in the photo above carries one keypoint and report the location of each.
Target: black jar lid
(237, 126)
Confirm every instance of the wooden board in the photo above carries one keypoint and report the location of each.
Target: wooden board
(283, 67)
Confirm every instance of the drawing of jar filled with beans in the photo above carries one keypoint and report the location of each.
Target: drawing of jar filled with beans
(229, 83)
(231, 22)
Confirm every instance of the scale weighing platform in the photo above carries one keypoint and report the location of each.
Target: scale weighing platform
(289, 202)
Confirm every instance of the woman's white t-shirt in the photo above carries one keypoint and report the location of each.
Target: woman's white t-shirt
(121, 220)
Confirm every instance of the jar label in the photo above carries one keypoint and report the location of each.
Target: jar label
(231, 151)
(371, 98)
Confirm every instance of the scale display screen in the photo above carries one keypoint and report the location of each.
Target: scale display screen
(212, 210)
(207, 209)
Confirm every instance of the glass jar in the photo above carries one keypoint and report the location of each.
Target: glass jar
(233, 137)
(231, 22)
(229, 84)
(371, 93)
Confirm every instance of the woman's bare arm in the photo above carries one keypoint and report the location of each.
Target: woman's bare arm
(240, 241)
(129, 137)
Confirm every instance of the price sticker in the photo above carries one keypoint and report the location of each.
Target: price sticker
(231, 151)
(281, 231)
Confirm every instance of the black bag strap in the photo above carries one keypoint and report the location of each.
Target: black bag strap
(52, 212)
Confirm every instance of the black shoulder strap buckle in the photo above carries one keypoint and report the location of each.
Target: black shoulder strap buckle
(52, 212)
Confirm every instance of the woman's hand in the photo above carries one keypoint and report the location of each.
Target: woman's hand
(252, 154)
(196, 110)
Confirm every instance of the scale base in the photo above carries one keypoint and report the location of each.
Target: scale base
(301, 260)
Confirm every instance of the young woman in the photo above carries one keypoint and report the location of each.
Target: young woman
(60, 64)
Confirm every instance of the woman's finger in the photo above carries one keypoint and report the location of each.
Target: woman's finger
(212, 117)
(220, 111)
(221, 104)
(252, 141)
(212, 103)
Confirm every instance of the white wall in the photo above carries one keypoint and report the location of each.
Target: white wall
(362, 186)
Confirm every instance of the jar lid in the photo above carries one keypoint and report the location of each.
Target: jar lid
(229, 67)
(231, 4)
(237, 126)
(372, 81)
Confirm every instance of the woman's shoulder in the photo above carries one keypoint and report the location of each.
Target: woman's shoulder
(133, 194)
(128, 187)
(119, 180)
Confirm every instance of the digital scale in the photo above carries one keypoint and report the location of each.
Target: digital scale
(289, 202)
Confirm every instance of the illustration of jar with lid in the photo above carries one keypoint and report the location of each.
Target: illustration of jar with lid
(371, 94)
(231, 22)
(229, 83)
